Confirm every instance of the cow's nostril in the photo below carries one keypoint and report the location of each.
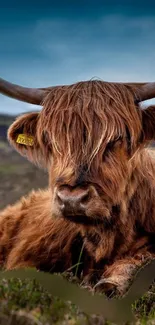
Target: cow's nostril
(60, 201)
(85, 199)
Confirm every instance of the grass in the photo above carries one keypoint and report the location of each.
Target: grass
(145, 306)
(79, 261)
(32, 299)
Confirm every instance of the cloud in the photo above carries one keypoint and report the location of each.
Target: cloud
(61, 51)
(111, 47)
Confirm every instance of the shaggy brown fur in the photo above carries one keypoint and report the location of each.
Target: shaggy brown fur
(90, 134)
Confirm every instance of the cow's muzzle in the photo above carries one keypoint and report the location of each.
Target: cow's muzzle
(73, 201)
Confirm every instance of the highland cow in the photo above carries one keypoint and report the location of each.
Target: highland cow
(92, 137)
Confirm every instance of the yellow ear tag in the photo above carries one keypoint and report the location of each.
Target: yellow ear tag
(24, 139)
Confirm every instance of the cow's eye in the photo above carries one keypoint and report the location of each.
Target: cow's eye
(112, 145)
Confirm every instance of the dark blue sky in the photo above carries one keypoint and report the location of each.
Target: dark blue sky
(46, 43)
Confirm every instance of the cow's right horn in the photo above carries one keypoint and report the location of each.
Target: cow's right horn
(29, 95)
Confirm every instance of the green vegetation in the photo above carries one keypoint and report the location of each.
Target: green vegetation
(29, 302)
(145, 306)
(34, 301)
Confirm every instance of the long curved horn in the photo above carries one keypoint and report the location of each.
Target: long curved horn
(29, 95)
(147, 91)
(143, 91)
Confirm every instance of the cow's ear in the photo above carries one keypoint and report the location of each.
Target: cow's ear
(22, 135)
(148, 123)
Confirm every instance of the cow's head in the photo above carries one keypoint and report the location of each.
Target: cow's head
(87, 135)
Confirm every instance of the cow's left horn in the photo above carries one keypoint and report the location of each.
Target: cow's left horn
(29, 95)
(146, 91)
(143, 91)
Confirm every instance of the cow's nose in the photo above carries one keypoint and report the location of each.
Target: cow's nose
(73, 201)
